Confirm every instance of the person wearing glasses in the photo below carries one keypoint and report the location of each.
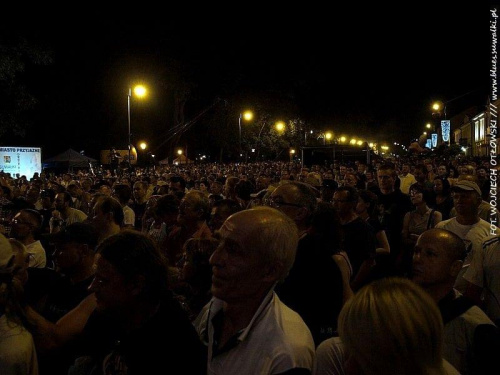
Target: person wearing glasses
(25, 227)
(393, 205)
(314, 287)
(359, 236)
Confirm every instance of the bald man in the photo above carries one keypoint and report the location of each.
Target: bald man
(437, 261)
(247, 328)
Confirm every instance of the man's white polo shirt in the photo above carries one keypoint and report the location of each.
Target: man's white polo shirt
(276, 340)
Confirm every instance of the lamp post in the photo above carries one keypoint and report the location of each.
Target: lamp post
(139, 91)
(247, 115)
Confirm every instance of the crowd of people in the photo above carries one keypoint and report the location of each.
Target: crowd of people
(259, 268)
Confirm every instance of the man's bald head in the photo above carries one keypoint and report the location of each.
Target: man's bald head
(453, 245)
(437, 260)
(266, 230)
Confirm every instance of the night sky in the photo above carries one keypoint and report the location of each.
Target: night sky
(358, 70)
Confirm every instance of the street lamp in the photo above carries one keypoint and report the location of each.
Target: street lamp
(247, 116)
(292, 153)
(143, 145)
(139, 91)
(280, 126)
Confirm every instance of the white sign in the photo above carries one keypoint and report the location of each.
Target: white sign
(434, 138)
(24, 161)
(445, 130)
(428, 143)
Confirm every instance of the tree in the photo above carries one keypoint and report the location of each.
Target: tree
(17, 55)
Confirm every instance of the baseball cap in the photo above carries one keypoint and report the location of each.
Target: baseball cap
(466, 185)
(83, 233)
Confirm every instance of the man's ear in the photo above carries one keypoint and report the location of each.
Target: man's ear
(273, 272)
(455, 268)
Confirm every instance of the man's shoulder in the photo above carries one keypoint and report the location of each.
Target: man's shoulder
(446, 223)
(77, 213)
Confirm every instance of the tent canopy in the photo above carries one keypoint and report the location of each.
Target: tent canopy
(68, 159)
(182, 159)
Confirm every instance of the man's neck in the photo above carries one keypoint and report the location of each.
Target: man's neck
(137, 315)
(83, 272)
(467, 220)
(345, 219)
(237, 315)
(387, 191)
(27, 241)
(65, 212)
(438, 292)
(109, 231)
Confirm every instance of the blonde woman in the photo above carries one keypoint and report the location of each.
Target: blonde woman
(390, 326)
(17, 349)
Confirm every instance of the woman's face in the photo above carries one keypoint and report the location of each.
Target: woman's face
(438, 186)
(416, 197)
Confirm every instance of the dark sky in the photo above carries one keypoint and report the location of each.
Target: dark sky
(358, 70)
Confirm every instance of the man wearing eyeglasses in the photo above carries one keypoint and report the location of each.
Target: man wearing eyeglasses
(313, 288)
(359, 236)
(25, 225)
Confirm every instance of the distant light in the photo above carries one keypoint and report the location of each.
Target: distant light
(292, 151)
(143, 145)
(248, 115)
(179, 152)
(280, 126)
(464, 149)
(370, 144)
(360, 143)
(152, 156)
(328, 135)
(311, 131)
(342, 139)
(241, 154)
(353, 141)
(428, 126)
(425, 133)
(253, 150)
(140, 91)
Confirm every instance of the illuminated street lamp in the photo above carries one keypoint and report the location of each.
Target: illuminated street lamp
(179, 152)
(428, 126)
(343, 139)
(247, 116)
(143, 145)
(140, 92)
(280, 126)
(292, 153)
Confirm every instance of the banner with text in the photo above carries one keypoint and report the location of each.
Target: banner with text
(24, 161)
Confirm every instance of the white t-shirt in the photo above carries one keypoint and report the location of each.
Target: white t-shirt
(17, 349)
(473, 236)
(128, 216)
(38, 258)
(484, 271)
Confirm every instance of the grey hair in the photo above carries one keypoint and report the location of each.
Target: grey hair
(277, 239)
